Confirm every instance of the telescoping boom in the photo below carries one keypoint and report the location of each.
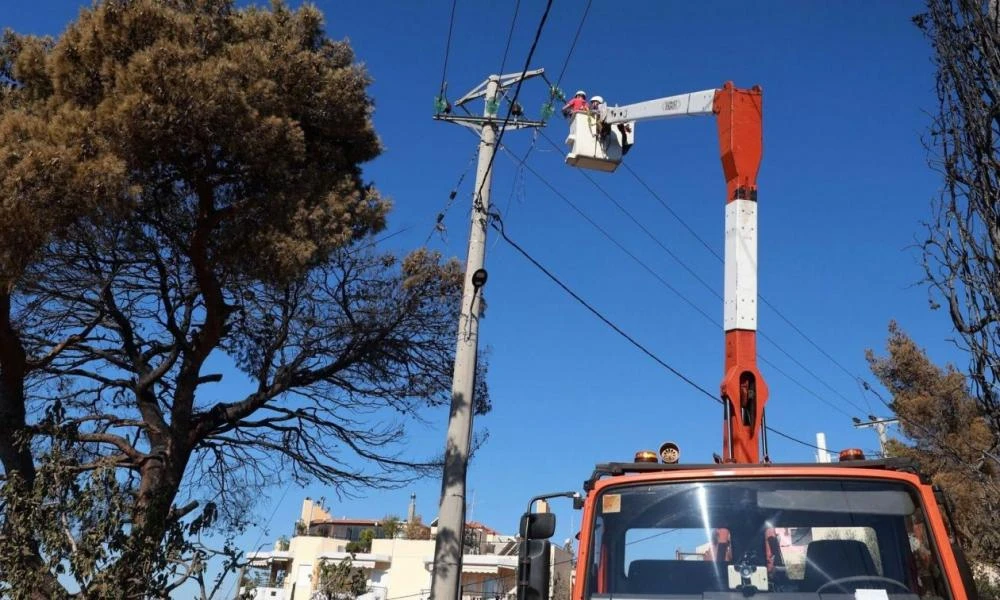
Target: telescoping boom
(742, 525)
(597, 142)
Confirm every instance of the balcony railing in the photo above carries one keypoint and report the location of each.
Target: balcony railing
(375, 592)
(425, 594)
(268, 593)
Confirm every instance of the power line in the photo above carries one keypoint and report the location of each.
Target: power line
(813, 375)
(638, 223)
(554, 88)
(673, 213)
(510, 35)
(572, 46)
(781, 315)
(494, 222)
(447, 49)
(263, 531)
(497, 224)
(659, 278)
(503, 64)
(517, 92)
(384, 238)
(795, 439)
(439, 221)
(763, 298)
(805, 388)
(609, 237)
(929, 433)
(642, 227)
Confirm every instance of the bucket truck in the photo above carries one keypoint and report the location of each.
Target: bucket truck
(743, 525)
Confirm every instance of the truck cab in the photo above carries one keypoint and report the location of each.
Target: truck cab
(871, 530)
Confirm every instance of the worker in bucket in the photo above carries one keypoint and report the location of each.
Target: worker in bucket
(578, 103)
(600, 111)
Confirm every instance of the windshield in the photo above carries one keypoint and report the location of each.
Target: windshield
(784, 537)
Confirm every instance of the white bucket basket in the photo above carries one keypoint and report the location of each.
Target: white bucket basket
(588, 150)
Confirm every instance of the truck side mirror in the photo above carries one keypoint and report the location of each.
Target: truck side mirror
(538, 526)
(533, 570)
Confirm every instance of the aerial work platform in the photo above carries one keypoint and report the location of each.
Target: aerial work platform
(590, 150)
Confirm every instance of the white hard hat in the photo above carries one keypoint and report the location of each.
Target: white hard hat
(580, 93)
(597, 99)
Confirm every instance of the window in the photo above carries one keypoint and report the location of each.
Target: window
(800, 537)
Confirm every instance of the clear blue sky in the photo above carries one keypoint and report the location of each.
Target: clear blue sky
(844, 187)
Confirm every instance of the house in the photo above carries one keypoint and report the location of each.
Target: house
(394, 567)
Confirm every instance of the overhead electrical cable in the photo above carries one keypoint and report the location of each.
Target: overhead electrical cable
(510, 36)
(763, 298)
(638, 223)
(447, 50)
(439, 220)
(522, 162)
(477, 199)
(497, 223)
(576, 37)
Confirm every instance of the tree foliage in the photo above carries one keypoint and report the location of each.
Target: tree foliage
(182, 195)
(363, 543)
(416, 530)
(960, 251)
(341, 581)
(946, 433)
(391, 525)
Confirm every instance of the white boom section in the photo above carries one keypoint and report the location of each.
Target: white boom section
(740, 288)
(684, 105)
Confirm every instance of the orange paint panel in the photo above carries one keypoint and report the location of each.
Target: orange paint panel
(741, 369)
(739, 114)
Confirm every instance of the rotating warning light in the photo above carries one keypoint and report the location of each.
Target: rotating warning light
(645, 456)
(851, 454)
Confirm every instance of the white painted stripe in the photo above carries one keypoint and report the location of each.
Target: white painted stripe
(740, 290)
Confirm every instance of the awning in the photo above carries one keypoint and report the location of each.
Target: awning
(481, 563)
(364, 561)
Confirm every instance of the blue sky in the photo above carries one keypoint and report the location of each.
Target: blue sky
(844, 186)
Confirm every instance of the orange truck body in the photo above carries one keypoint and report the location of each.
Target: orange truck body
(620, 475)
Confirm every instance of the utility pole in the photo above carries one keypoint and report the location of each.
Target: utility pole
(881, 426)
(822, 455)
(451, 515)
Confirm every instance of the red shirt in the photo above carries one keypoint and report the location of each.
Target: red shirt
(576, 104)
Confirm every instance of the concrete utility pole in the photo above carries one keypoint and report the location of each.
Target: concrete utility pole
(451, 516)
(879, 425)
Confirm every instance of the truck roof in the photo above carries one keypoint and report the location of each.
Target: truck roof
(618, 468)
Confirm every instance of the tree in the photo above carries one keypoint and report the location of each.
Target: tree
(364, 542)
(963, 237)
(341, 581)
(184, 183)
(391, 525)
(949, 432)
(416, 530)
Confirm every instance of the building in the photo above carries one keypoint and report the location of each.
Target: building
(394, 567)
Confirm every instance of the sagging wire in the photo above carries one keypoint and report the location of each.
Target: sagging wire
(439, 226)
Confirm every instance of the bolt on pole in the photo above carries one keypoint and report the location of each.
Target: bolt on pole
(445, 582)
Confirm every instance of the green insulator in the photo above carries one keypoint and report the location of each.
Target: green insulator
(440, 104)
(492, 106)
(547, 111)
